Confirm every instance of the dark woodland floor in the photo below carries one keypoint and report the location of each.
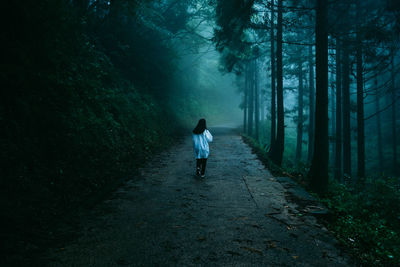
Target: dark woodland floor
(239, 215)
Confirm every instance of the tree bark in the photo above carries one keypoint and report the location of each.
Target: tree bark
(394, 132)
(273, 68)
(250, 112)
(378, 128)
(300, 114)
(311, 101)
(257, 101)
(346, 111)
(333, 120)
(338, 150)
(262, 106)
(360, 106)
(245, 104)
(319, 165)
(276, 152)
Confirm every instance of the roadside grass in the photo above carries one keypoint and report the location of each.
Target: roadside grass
(365, 218)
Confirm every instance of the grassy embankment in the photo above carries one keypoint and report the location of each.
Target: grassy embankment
(365, 219)
(75, 122)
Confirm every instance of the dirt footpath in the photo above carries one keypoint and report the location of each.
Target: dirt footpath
(238, 215)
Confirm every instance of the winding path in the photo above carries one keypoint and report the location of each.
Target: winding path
(239, 215)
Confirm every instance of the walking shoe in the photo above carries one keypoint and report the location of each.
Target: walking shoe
(203, 175)
(198, 171)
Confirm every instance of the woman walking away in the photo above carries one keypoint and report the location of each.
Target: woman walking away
(201, 138)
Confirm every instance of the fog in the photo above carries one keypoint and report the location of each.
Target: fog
(201, 86)
(214, 93)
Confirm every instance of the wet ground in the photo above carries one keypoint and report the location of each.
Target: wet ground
(238, 215)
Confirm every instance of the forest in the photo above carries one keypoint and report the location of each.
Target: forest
(93, 90)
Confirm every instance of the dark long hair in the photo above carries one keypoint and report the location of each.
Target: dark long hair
(200, 127)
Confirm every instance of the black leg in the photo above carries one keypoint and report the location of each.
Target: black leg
(203, 166)
(198, 166)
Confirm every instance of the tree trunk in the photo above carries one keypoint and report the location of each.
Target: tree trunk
(311, 101)
(273, 68)
(346, 111)
(378, 128)
(262, 106)
(250, 112)
(338, 150)
(300, 114)
(319, 165)
(394, 136)
(257, 101)
(245, 104)
(333, 120)
(360, 107)
(276, 152)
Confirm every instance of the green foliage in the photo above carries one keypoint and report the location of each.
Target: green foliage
(232, 19)
(367, 221)
(76, 118)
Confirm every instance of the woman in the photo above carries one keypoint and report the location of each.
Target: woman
(201, 137)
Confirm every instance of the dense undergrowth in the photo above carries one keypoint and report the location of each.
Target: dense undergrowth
(77, 116)
(364, 218)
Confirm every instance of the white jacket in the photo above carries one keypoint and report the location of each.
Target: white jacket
(200, 144)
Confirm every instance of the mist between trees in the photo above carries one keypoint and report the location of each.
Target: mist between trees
(320, 90)
(274, 45)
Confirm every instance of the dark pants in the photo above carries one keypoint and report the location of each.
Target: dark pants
(201, 166)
